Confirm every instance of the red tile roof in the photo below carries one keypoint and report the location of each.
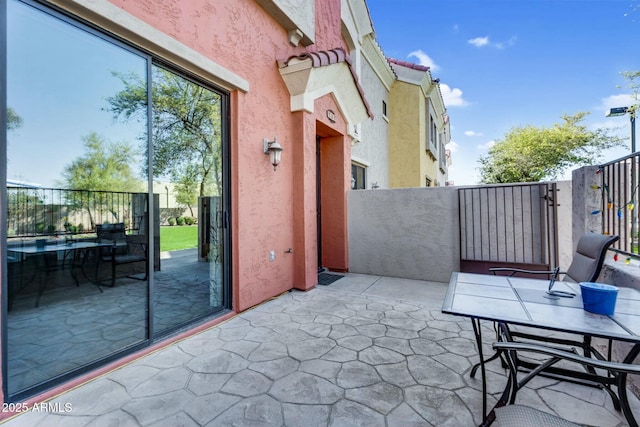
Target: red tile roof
(329, 57)
(408, 64)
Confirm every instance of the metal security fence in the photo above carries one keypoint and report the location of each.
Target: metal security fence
(53, 211)
(508, 225)
(620, 214)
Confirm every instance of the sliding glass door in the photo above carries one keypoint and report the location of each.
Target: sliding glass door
(188, 164)
(116, 199)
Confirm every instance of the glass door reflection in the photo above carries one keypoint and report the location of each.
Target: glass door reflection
(188, 165)
(71, 171)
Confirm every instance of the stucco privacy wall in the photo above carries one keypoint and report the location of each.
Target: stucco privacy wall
(410, 233)
(414, 232)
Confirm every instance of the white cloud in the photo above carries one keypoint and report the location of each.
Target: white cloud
(424, 59)
(485, 41)
(479, 41)
(472, 133)
(508, 43)
(452, 146)
(486, 146)
(452, 97)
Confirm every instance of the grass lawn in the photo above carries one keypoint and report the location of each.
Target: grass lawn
(178, 237)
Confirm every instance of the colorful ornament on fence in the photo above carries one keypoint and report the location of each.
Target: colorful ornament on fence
(596, 212)
(630, 206)
(620, 213)
(595, 187)
(615, 257)
(627, 261)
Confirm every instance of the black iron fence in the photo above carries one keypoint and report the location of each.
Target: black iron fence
(511, 225)
(620, 214)
(35, 212)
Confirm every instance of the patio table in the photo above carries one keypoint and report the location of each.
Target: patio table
(523, 301)
(79, 249)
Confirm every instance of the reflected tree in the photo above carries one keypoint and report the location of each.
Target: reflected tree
(103, 169)
(187, 188)
(186, 128)
(14, 121)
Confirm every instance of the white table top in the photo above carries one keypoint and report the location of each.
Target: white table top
(523, 301)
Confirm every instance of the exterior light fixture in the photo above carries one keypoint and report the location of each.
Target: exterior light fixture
(274, 150)
(621, 111)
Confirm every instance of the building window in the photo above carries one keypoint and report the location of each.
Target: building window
(80, 99)
(358, 177)
(427, 182)
(434, 134)
(432, 137)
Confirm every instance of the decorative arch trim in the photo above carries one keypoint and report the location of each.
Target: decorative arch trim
(312, 75)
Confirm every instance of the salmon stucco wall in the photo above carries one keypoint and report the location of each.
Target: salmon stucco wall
(329, 25)
(304, 208)
(241, 36)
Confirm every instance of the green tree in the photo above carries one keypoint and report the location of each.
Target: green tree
(531, 154)
(633, 83)
(103, 168)
(186, 128)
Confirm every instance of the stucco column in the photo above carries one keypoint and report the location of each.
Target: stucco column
(336, 180)
(305, 267)
(585, 201)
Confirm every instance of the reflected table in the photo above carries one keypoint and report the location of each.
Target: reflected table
(524, 302)
(80, 253)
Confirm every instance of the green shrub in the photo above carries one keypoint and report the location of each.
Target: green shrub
(180, 220)
(189, 220)
(172, 221)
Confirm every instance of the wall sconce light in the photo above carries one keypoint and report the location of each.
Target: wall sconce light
(274, 150)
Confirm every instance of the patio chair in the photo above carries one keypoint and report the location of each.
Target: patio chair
(507, 413)
(124, 249)
(585, 267)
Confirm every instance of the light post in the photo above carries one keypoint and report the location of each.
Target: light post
(621, 111)
(167, 188)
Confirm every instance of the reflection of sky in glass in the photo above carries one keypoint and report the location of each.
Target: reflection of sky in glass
(58, 81)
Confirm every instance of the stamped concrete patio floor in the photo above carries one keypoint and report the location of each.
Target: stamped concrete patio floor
(363, 351)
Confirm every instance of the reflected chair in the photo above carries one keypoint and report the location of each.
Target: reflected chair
(123, 249)
(507, 413)
(585, 267)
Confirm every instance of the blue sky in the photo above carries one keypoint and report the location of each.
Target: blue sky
(508, 63)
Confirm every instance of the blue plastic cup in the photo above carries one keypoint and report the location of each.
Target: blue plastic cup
(599, 298)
